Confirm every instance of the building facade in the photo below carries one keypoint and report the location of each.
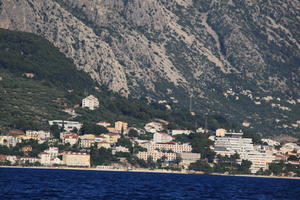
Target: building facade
(91, 102)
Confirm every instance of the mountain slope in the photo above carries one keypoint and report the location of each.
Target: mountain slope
(239, 58)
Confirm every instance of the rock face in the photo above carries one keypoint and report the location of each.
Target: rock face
(229, 56)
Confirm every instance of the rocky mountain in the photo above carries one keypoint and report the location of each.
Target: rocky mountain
(237, 58)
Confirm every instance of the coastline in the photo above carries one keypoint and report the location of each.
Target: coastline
(151, 171)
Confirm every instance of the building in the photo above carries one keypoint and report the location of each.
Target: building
(38, 135)
(9, 141)
(220, 132)
(91, 102)
(153, 127)
(233, 143)
(86, 143)
(188, 158)
(121, 126)
(111, 138)
(45, 158)
(29, 160)
(259, 159)
(177, 148)
(104, 124)
(105, 145)
(67, 125)
(270, 142)
(155, 155)
(179, 132)
(160, 137)
(50, 157)
(120, 149)
(76, 159)
(72, 139)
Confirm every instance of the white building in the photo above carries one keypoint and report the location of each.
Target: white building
(233, 143)
(104, 124)
(71, 139)
(67, 125)
(179, 132)
(120, 149)
(45, 158)
(39, 135)
(177, 148)
(155, 155)
(153, 127)
(9, 141)
(259, 159)
(76, 159)
(221, 132)
(91, 102)
(162, 137)
(271, 142)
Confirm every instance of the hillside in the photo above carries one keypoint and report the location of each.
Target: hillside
(238, 59)
(29, 102)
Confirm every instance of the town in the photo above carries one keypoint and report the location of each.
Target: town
(118, 145)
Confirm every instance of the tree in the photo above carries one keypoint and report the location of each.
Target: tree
(133, 133)
(55, 131)
(150, 162)
(90, 128)
(244, 168)
(178, 160)
(276, 168)
(200, 165)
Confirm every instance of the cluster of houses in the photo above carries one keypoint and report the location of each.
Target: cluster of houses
(162, 146)
(230, 143)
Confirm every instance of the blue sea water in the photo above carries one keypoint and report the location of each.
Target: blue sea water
(76, 184)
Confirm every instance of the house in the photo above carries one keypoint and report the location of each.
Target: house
(76, 159)
(161, 137)
(9, 141)
(66, 125)
(221, 132)
(50, 157)
(120, 149)
(104, 124)
(105, 145)
(38, 135)
(188, 158)
(91, 102)
(113, 137)
(72, 139)
(26, 149)
(28, 75)
(179, 132)
(121, 126)
(30, 160)
(45, 158)
(153, 127)
(86, 143)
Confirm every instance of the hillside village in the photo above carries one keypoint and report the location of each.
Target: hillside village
(119, 145)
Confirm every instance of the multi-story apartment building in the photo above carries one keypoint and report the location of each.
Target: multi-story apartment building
(177, 148)
(91, 102)
(160, 137)
(155, 155)
(76, 159)
(232, 143)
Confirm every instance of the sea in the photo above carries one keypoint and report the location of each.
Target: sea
(82, 184)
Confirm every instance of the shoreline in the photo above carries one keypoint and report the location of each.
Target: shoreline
(150, 171)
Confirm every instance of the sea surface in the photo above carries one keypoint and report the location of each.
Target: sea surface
(77, 184)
